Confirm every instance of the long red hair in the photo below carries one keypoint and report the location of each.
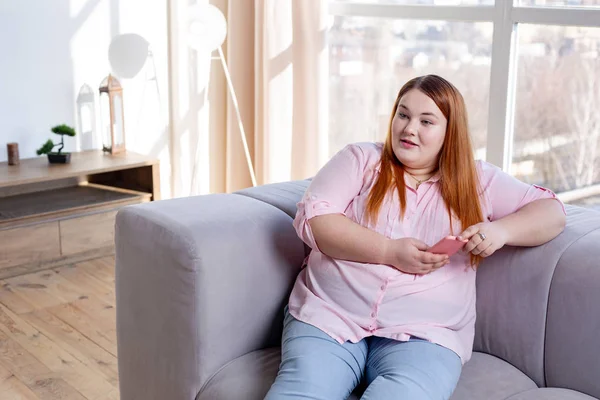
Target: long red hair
(458, 175)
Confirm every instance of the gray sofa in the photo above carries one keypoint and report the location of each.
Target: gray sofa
(201, 283)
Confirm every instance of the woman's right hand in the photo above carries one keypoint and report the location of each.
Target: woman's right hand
(410, 256)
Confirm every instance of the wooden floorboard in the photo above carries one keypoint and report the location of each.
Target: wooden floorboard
(57, 334)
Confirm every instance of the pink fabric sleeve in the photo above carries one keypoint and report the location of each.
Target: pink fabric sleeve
(331, 191)
(506, 194)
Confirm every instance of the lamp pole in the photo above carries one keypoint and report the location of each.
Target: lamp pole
(239, 117)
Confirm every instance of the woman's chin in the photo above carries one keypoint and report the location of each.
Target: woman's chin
(406, 157)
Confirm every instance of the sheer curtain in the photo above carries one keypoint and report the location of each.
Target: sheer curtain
(276, 52)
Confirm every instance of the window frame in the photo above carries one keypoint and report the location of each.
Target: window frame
(505, 17)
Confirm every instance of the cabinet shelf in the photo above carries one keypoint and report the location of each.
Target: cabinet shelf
(55, 214)
(64, 201)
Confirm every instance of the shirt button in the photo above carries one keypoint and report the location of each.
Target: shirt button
(373, 315)
(382, 287)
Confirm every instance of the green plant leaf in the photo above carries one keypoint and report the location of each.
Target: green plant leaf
(63, 130)
(46, 148)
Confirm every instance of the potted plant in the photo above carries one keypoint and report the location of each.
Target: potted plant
(57, 157)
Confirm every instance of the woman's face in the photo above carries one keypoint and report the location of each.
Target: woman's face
(418, 131)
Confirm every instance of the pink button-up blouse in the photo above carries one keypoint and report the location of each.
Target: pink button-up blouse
(353, 300)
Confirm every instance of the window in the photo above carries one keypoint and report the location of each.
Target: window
(557, 113)
(538, 59)
(371, 58)
(430, 2)
(558, 3)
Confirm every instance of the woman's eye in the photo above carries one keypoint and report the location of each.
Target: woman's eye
(402, 115)
(427, 122)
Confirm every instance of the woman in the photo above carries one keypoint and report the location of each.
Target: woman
(372, 303)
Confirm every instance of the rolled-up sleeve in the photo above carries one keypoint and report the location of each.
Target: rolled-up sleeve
(331, 191)
(505, 194)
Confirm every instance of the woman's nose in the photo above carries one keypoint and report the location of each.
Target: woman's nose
(410, 128)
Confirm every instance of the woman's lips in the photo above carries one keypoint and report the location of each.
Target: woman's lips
(407, 144)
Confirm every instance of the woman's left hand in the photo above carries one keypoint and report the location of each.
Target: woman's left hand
(484, 238)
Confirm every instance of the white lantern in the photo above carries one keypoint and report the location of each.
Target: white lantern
(112, 118)
(86, 117)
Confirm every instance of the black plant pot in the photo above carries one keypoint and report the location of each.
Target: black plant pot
(62, 158)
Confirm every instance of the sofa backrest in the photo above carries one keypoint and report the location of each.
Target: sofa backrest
(283, 195)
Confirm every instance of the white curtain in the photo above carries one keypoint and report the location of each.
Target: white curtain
(276, 52)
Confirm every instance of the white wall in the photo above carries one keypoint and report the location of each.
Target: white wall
(49, 49)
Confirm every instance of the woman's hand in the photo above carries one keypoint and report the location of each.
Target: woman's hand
(484, 238)
(410, 256)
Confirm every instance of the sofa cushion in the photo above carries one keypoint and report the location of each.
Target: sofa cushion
(249, 377)
(551, 394)
(486, 377)
(246, 378)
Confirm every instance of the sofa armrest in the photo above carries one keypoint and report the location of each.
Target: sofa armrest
(199, 281)
(572, 358)
(513, 291)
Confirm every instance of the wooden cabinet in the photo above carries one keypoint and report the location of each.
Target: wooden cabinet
(87, 233)
(29, 244)
(57, 214)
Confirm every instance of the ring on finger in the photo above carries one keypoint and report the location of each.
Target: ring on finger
(481, 235)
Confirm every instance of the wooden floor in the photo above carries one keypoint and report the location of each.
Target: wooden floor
(57, 334)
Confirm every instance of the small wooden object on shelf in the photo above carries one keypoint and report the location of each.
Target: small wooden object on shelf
(55, 214)
(13, 153)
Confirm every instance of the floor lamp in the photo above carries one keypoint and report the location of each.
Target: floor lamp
(206, 30)
(128, 54)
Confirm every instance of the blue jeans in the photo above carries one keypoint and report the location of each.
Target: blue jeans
(315, 366)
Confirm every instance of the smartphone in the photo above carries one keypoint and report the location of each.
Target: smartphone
(448, 245)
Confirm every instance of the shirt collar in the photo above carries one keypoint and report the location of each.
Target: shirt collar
(435, 178)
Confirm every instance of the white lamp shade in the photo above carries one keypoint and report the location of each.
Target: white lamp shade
(206, 27)
(127, 54)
